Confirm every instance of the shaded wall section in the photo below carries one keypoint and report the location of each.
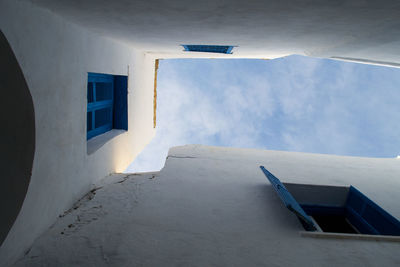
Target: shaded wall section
(56, 56)
(363, 31)
(17, 144)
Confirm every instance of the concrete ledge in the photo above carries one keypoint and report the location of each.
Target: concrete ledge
(387, 238)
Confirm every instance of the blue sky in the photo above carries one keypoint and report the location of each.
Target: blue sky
(294, 103)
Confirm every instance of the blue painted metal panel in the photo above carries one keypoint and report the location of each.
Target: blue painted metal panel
(106, 92)
(120, 102)
(368, 217)
(223, 49)
(100, 103)
(229, 51)
(289, 200)
(359, 223)
(99, 77)
(186, 48)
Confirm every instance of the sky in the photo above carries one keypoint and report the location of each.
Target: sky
(294, 103)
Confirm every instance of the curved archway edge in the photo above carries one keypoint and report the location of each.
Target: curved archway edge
(17, 142)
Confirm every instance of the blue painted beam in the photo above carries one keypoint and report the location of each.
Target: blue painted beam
(289, 201)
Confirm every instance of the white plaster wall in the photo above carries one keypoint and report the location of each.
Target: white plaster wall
(213, 206)
(55, 56)
(377, 178)
(366, 30)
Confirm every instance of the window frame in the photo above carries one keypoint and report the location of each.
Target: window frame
(365, 216)
(221, 49)
(95, 105)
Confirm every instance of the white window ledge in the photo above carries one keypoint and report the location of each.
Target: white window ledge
(97, 142)
(388, 238)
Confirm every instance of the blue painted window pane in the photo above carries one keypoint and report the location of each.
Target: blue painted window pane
(374, 218)
(90, 92)
(106, 103)
(104, 91)
(368, 217)
(120, 120)
(355, 202)
(103, 117)
(362, 213)
(89, 121)
(224, 49)
(289, 201)
(100, 104)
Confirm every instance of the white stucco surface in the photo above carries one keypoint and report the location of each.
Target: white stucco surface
(55, 57)
(213, 206)
(363, 30)
(58, 43)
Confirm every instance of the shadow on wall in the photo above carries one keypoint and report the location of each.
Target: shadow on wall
(17, 142)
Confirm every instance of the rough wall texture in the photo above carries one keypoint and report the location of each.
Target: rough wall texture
(55, 57)
(213, 206)
(377, 178)
(360, 30)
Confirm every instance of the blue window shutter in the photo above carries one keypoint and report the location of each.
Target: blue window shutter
(100, 104)
(368, 217)
(289, 201)
(120, 102)
(223, 49)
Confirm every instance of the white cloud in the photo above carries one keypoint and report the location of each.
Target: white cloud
(295, 103)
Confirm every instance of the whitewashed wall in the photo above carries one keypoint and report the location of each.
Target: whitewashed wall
(55, 57)
(361, 31)
(377, 178)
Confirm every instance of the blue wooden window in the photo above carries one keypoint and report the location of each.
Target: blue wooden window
(100, 104)
(368, 217)
(363, 214)
(224, 49)
(289, 201)
(359, 212)
(106, 103)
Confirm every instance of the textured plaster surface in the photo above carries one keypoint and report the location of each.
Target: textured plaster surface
(58, 43)
(214, 207)
(55, 56)
(365, 30)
